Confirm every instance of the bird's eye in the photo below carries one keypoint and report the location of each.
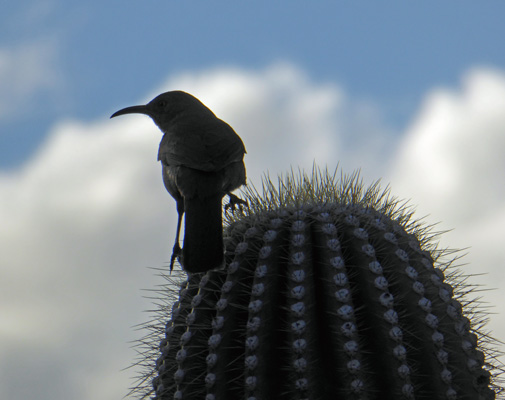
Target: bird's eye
(162, 104)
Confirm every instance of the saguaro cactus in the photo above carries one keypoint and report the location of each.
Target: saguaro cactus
(331, 291)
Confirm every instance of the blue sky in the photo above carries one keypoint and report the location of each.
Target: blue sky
(413, 93)
(96, 54)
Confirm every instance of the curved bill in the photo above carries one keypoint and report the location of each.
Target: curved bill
(131, 110)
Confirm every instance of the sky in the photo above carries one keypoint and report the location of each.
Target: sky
(412, 94)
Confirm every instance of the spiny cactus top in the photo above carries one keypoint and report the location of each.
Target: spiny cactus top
(330, 292)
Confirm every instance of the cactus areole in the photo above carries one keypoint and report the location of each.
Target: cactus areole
(331, 291)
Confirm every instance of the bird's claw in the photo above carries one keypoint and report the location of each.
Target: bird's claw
(176, 252)
(235, 202)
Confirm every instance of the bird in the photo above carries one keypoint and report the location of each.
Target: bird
(202, 160)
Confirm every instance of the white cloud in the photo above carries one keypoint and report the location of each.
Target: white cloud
(285, 119)
(80, 224)
(453, 152)
(282, 118)
(451, 164)
(85, 217)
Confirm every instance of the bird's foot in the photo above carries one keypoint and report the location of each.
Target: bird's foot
(176, 252)
(235, 202)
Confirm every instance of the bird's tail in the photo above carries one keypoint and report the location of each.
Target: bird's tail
(203, 234)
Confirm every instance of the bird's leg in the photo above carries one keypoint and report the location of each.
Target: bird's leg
(235, 202)
(176, 251)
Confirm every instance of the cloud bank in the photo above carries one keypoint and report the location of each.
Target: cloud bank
(450, 161)
(85, 217)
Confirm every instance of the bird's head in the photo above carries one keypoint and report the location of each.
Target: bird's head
(167, 107)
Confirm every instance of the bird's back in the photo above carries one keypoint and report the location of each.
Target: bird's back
(208, 145)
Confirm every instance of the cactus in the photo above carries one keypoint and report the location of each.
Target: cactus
(330, 291)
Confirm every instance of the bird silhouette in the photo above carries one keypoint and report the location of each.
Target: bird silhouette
(202, 161)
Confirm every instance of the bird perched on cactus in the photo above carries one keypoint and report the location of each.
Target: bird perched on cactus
(202, 161)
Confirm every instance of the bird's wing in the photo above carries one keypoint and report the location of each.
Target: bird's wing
(209, 147)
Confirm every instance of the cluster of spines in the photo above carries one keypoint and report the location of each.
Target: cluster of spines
(337, 281)
(431, 303)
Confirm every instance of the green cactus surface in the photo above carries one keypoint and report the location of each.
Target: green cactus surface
(331, 291)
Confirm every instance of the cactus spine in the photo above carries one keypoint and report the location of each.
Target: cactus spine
(331, 291)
